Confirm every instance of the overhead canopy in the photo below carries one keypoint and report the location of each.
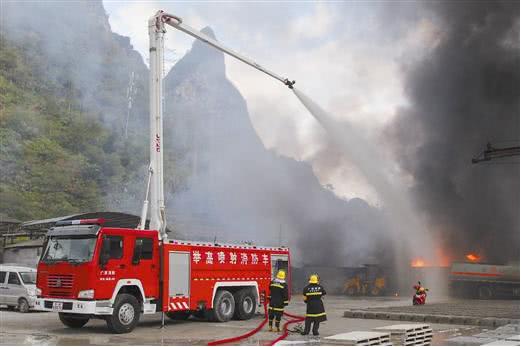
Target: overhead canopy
(112, 219)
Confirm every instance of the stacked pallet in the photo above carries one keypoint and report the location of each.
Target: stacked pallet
(360, 338)
(408, 334)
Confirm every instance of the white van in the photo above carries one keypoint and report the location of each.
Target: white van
(17, 286)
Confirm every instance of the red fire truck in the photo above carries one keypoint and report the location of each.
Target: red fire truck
(91, 271)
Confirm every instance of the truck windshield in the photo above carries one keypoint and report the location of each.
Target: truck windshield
(72, 249)
(28, 277)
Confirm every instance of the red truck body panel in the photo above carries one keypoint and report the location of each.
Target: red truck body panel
(213, 265)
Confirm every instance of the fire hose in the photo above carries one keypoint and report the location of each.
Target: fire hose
(296, 319)
(285, 334)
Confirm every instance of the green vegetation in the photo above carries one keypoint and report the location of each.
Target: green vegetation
(55, 158)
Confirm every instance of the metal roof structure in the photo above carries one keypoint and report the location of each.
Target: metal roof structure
(8, 224)
(112, 219)
(26, 244)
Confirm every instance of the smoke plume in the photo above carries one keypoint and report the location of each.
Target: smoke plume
(463, 95)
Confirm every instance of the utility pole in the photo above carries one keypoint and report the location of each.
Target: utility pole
(495, 153)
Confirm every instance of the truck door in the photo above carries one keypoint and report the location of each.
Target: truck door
(179, 277)
(144, 264)
(114, 263)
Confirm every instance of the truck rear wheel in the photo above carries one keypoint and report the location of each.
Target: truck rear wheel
(125, 316)
(223, 306)
(73, 320)
(244, 304)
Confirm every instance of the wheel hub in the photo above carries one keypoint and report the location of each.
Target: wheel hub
(226, 307)
(247, 305)
(126, 314)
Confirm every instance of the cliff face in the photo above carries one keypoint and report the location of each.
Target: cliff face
(72, 50)
(78, 50)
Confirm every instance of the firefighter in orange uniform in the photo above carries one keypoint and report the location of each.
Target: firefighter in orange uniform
(278, 298)
(315, 312)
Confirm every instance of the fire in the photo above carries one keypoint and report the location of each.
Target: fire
(473, 257)
(418, 262)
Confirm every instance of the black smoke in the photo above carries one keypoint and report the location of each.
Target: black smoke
(464, 94)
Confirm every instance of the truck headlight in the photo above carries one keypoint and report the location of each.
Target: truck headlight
(86, 294)
(38, 291)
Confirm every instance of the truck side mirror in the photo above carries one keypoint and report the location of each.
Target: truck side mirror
(105, 252)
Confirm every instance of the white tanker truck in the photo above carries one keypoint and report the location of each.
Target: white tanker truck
(484, 281)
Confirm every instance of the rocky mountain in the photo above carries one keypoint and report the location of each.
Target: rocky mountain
(74, 50)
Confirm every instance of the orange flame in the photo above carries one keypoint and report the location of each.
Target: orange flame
(473, 257)
(418, 262)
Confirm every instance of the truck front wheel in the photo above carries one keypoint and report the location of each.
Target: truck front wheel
(223, 306)
(23, 305)
(125, 316)
(73, 320)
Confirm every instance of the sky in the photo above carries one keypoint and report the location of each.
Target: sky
(350, 57)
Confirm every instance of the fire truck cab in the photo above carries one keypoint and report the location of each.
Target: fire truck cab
(90, 271)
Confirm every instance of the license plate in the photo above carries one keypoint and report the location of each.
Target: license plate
(57, 306)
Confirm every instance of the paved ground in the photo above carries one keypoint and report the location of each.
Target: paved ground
(45, 328)
(473, 308)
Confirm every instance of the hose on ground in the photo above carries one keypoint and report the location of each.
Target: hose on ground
(248, 334)
(286, 331)
(295, 319)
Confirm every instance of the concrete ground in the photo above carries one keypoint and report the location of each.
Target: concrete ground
(37, 328)
(472, 308)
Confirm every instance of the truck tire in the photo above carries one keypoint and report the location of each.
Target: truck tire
(244, 304)
(179, 315)
(126, 314)
(23, 305)
(223, 306)
(73, 320)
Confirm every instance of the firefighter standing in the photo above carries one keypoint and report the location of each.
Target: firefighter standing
(315, 312)
(278, 298)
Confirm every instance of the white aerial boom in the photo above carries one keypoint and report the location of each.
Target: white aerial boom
(156, 31)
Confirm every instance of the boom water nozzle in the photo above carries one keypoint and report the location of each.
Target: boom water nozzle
(289, 83)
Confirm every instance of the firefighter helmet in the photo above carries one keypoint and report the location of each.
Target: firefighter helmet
(313, 279)
(281, 275)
